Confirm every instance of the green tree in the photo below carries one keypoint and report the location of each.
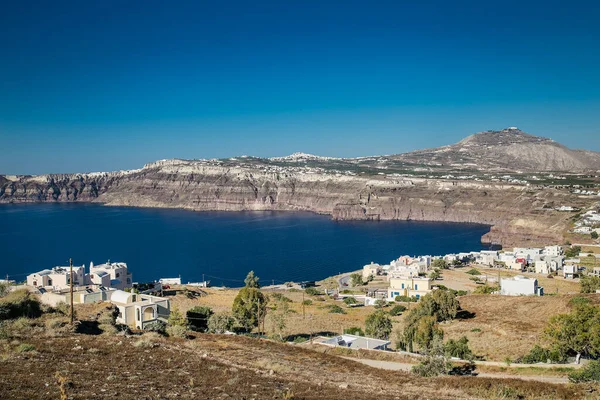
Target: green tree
(589, 373)
(356, 280)
(594, 235)
(439, 264)
(573, 251)
(176, 318)
(380, 303)
(435, 362)
(397, 310)
(486, 289)
(251, 280)
(473, 271)
(577, 332)
(220, 323)
(378, 325)
(426, 331)
(198, 318)
(354, 331)
(248, 306)
(459, 348)
(279, 316)
(435, 274)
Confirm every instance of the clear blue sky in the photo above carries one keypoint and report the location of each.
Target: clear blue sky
(108, 85)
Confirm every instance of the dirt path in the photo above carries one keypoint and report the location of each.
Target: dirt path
(396, 366)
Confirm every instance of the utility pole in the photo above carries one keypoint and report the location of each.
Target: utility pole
(303, 313)
(71, 285)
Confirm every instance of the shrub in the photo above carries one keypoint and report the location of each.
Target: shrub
(439, 264)
(220, 323)
(19, 303)
(177, 331)
(350, 301)
(475, 330)
(156, 326)
(459, 348)
(335, 309)
(397, 310)
(312, 291)
(281, 297)
(381, 303)
(473, 271)
(486, 289)
(435, 362)
(589, 373)
(540, 355)
(4, 289)
(404, 299)
(573, 251)
(594, 235)
(307, 302)
(197, 318)
(25, 347)
(355, 330)
(589, 284)
(300, 339)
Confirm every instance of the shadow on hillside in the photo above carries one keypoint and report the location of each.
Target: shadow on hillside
(464, 314)
(88, 328)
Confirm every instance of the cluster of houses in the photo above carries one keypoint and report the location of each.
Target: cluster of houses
(109, 282)
(588, 222)
(408, 276)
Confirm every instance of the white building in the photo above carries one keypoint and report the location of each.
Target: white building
(357, 342)
(137, 310)
(529, 253)
(520, 286)
(553, 251)
(120, 277)
(570, 271)
(371, 270)
(57, 278)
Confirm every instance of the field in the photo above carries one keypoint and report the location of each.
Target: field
(41, 363)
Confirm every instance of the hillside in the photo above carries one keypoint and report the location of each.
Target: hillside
(510, 150)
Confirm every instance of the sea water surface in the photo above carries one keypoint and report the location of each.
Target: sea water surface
(224, 246)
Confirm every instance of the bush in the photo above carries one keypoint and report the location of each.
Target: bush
(25, 347)
(350, 301)
(335, 309)
(307, 302)
(473, 271)
(485, 289)
(594, 235)
(19, 304)
(300, 339)
(381, 303)
(435, 362)
(220, 323)
(459, 348)
(197, 318)
(589, 373)
(404, 299)
(439, 264)
(156, 326)
(540, 355)
(313, 291)
(589, 284)
(177, 331)
(4, 289)
(397, 310)
(281, 297)
(354, 331)
(573, 251)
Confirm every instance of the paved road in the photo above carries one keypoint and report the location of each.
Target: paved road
(396, 366)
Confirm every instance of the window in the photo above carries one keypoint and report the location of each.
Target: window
(403, 286)
(416, 287)
(49, 282)
(34, 283)
(118, 275)
(138, 314)
(418, 296)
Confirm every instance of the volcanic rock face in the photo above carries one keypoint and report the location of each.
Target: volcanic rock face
(521, 214)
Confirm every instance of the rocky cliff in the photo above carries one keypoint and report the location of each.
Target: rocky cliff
(520, 209)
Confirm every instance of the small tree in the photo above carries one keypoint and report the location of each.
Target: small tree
(356, 280)
(589, 284)
(251, 280)
(459, 348)
(473, 271)
(198, 318)
(380, 303)
(435, 362)
(594, 235)
(439, 264)
(435, 274)
(248, 306)
(573, 251)
(176, 318)
(589, 373)
(378, 325)
(354, 331)
(279, 317)
(397, 310)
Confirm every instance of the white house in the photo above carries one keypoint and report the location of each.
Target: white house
(120, 277)
(57, 278)
(529, 253)
(570, 271)
(520, 286)
(137, 310)
(371, 270)
(553, 251)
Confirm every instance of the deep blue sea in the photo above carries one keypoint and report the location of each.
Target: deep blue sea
(224, 246)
